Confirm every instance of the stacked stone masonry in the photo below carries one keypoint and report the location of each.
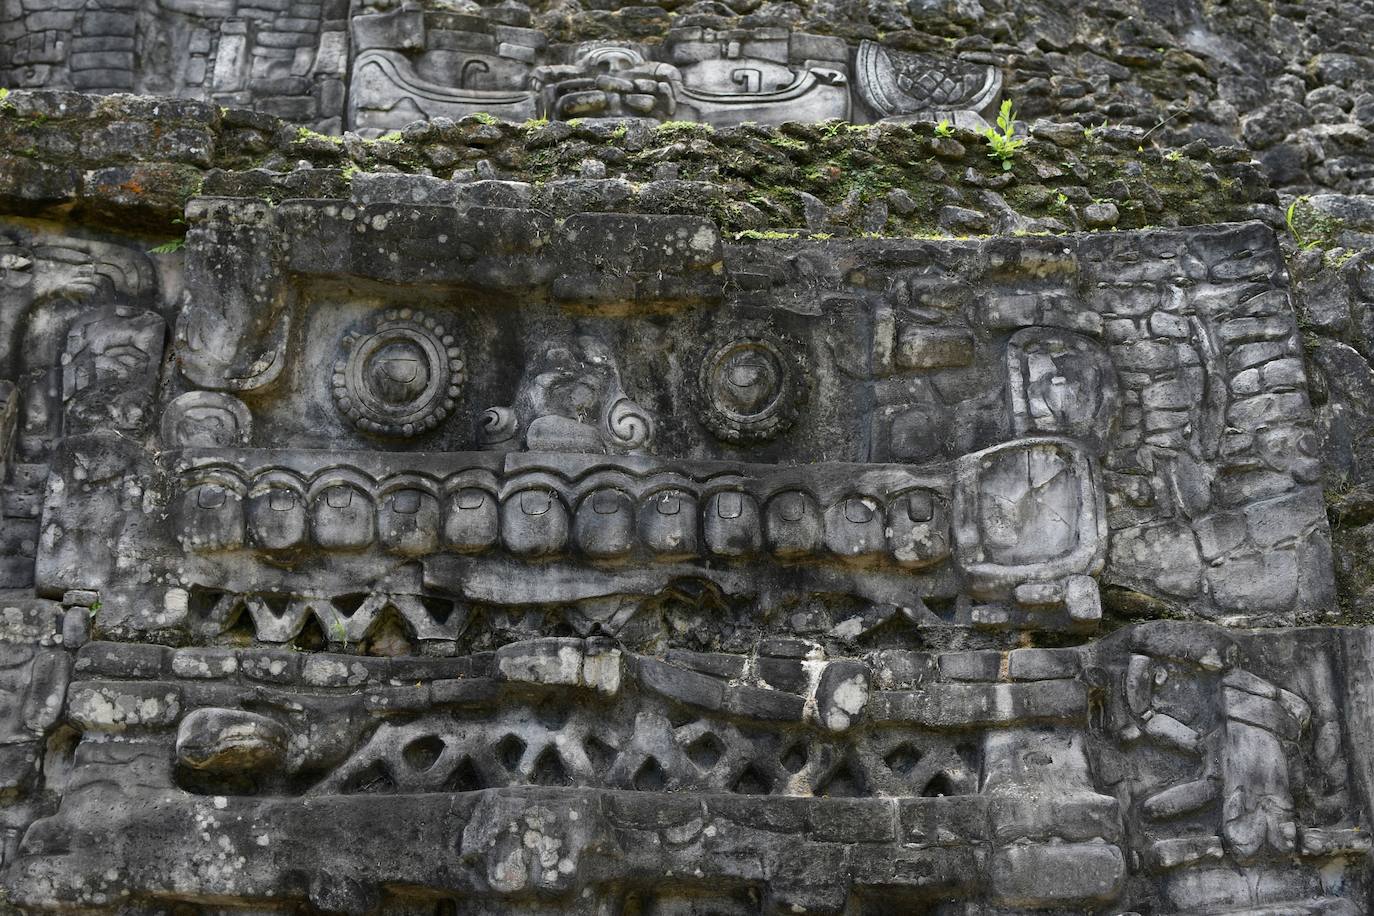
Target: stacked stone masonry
(466, 458)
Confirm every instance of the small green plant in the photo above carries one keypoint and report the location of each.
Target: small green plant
(171, 247)
(1060, 202)
(95, 608)
(944, 128)
(336, 629)
(1174, 155)
(1291, 219)
(1002, 141)
(1091, 130)
(4, 97)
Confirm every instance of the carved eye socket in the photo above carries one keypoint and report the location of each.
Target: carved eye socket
(402, 378)
(669, 502)
(751, 388)
(750, 381)
(746, 373)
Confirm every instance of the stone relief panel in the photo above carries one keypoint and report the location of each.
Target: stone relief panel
(417, 65)
(399, 556)
(287, 59)
(992, 431)
(1171, 765)
(376, 67)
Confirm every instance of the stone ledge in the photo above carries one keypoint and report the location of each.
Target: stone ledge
(152, 154)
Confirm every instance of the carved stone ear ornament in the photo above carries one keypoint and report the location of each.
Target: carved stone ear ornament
(752, 387)
(401, 379)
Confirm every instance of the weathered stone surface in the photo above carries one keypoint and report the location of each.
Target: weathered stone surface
(735, 491)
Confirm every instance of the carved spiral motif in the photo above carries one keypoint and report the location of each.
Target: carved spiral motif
(401, 379)
(627, 425)
(751, 389)
(497, 427)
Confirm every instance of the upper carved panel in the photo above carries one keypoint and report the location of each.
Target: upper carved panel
(455, 415)
(375, 67)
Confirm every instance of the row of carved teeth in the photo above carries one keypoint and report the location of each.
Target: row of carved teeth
(911, 528)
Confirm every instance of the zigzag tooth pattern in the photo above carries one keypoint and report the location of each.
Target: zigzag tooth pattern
(270, 625)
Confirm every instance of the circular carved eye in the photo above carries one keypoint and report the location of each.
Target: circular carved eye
(751, 391)
(402, 379)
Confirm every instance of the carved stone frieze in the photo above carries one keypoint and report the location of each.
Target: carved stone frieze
(374, 68)
(393, 556)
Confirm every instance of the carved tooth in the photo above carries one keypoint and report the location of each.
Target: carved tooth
(668, 523)
(211, 518)
(605, 523)
(534, 522)
(793, 524)
(343, 518)
(854, 528)
(470, 520)
(731, 524)
(408, 522)
(918, 529)
(277, 518)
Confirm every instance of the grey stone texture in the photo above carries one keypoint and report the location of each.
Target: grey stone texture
(386, 553)
(731, 492)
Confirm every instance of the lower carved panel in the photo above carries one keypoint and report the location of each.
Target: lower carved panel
(1167, 768)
